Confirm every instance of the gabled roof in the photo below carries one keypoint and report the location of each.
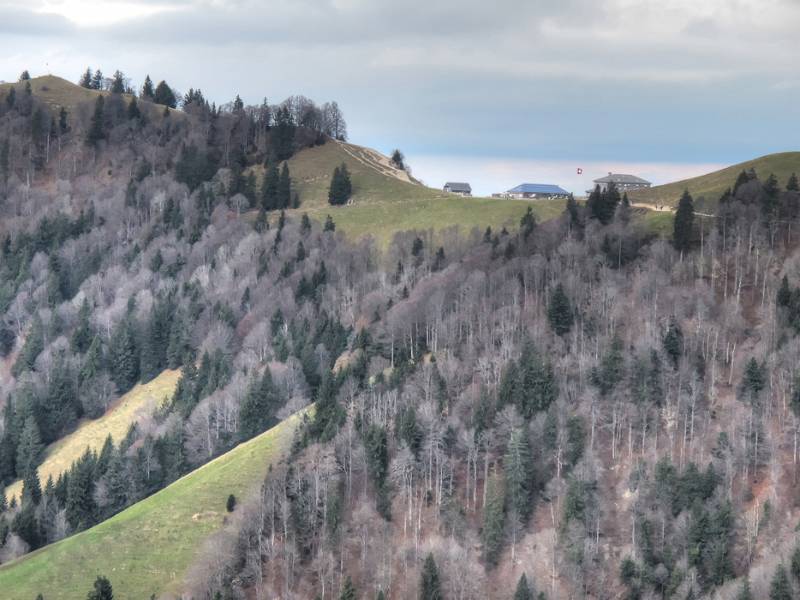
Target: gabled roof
(538, 188)
(458, 186)
(621, 178)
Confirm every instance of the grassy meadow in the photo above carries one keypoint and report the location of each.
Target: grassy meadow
(149, 548)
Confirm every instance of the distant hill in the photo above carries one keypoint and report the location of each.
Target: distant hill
(57, 92)
(54, 91)
(149, 547)
(387, 200)
(707, 189)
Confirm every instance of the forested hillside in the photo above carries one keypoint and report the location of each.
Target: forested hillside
(562, 409)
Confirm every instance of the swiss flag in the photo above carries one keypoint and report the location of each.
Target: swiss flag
(580, 171)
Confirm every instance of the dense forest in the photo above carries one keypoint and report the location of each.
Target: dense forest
(576, 408)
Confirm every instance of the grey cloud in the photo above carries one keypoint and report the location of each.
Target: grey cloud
(18, 21)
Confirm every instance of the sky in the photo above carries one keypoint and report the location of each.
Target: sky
(493, 93)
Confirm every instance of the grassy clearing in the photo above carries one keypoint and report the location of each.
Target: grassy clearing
(141, 400)
(382, 220)
(707, 189)
(148, 548)
(373, 181)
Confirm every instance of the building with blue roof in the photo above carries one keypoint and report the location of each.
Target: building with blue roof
(536, 190)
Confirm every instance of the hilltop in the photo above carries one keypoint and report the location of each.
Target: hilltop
(707, 189)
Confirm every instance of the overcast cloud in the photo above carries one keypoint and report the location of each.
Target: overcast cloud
(491, 92)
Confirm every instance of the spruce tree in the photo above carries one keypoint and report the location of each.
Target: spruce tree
(341, 187)
(97, 80)
(673, 343)
(493, 519)
(527, 223)
(794, 566)
(684, 221)
(348, 590)
(559, 311)
(744, 592)
(29, 448)
(792, 184)
(269, 189)
(124, 356)
(518, 468)
(101, 590)
(164, 95)
(86, 79)
(284, 194)
(780, 588)
(524, 591)
(257, 412)
(118, 83)
(329, 224)
(430, 588)
(31, 488)
(96, 127)
(147, 89)
(134, 114)
(82, 335)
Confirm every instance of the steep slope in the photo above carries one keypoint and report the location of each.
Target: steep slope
(374, 179)
(386, 200)
(706, 189)
(148, 548)
(142, 399)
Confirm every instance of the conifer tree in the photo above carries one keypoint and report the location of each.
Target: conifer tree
(780, 588)
(97, 80)
(82, 335)
(257, 412)
(348, 590)
(329, 224)
(535, 387)
(101, 590)
(684, 221)
(118, 83)
(524, 591)
(493, 519)
(86, 79)
(559, 311)
(134, 114)
(794, 566)
(518, 467)
(284, 195)
(673, 343)
(148, 93)
(430, 588)
(792, 184)
(164, 95)
(269, 189)
(31, 349)
(31, 488)
(527, 223)
(124, 356)
(97, 130)
(744, 592)
(341, 187)
(29, 448)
